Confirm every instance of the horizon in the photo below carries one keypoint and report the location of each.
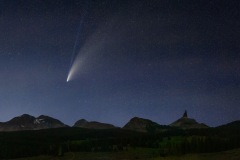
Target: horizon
(111, 60)
(71, 125)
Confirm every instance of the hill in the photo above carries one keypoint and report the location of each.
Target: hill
(231, 125)
(92, 125)
(144, 125)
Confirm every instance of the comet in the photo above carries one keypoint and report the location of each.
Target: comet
(86, 57)
(68, 78)
(103, 38)
(74, 70)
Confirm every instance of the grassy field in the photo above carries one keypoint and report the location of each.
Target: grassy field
(227, 155)
(141, 154)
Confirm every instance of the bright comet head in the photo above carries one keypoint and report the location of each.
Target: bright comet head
(68, 78)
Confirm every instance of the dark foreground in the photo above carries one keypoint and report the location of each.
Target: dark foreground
(140, 154)
(79, 143)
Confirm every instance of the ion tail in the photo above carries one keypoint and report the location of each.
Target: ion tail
(80, 28)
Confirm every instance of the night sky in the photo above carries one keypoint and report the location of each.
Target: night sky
(147, 58)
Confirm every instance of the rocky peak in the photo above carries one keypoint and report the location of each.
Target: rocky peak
(185, 114)
(187, 123)
(28, 122)
(49, 122)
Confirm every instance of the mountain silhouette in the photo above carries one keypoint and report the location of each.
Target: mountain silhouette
(187, 123)
(28, 122)
(92, 125)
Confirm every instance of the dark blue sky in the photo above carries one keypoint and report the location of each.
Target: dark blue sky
(147, 58)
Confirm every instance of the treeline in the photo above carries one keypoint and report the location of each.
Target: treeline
(56, 142)
(197, 144)
(200, 141)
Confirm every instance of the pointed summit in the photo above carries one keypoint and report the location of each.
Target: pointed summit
(187, 123)
(185, 114)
